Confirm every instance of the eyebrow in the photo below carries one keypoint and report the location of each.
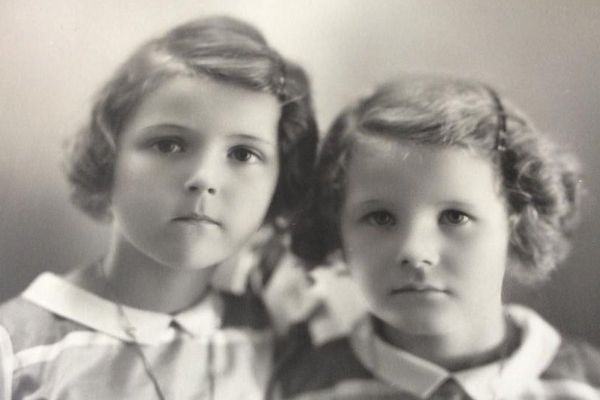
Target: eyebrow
(173, 127)
(247, 136)
(177, 127)
(457, 203)
(369, 201)
(362, 204)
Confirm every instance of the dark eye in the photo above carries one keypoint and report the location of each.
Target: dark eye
(454, 217)
(243, 154)
(380, 218)
(168, 146)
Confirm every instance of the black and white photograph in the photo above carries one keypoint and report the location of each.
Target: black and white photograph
(299, 200)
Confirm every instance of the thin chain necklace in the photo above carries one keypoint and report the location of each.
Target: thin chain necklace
(129, 330)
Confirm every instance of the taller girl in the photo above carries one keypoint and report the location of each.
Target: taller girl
(202, 137)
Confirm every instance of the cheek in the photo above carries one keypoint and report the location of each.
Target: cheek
(249, 195)
(259, 187)
(366, 262)
(135, 172)
(372, 283)
(138, 189)
(369, 246)
(481, 260)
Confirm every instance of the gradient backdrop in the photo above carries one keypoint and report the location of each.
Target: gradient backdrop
(544, 54)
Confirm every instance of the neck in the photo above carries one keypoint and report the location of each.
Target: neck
(131, 278)
(458, 349)
(153, 286)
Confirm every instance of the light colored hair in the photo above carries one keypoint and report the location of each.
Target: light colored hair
(539, 184)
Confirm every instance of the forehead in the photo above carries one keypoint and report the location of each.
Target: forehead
(202, 103)
(396, 169)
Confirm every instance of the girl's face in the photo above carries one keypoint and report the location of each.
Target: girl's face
(196, 169)
(425, 233)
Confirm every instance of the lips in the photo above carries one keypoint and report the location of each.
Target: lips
(196, 219)
(418, 288)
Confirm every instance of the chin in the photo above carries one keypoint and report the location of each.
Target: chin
(422, 323)
(426, 328)
(194, 261)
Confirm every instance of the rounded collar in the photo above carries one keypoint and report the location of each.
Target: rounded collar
(67, 300)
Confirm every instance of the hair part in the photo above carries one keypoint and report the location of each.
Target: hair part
(540, 185)
(220, 48)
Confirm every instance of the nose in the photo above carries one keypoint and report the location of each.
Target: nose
(195, 188)
(202, 176)
(417, 248)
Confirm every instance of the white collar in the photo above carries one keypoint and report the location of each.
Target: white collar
(67, 300)
(407, 372)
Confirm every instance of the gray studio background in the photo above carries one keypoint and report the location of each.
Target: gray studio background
(544, 54)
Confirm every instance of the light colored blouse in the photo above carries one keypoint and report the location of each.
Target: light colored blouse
(58, 341)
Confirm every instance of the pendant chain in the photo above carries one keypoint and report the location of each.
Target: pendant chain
(129, 330)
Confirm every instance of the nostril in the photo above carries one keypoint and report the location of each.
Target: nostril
(194, 188)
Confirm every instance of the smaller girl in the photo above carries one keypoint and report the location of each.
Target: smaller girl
(434, 191)
(203, 136)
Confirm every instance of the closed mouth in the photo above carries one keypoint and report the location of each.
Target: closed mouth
(417, 288)
(196, 219)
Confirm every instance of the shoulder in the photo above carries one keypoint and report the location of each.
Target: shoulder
(28, 325)
(576, 360)
(306, 366)
(24, 327)
(560, 357)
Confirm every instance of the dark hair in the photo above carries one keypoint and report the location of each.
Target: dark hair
(226, 50)
(539, 184)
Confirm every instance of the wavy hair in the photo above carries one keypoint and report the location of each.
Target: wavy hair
(539, 184)
(224, 49)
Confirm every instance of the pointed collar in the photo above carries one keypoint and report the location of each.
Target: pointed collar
(407, 372)
(67, 300)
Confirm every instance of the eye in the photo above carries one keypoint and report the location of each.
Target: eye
(380, 218)
(454, 217)
(168, 146)
(244, 154)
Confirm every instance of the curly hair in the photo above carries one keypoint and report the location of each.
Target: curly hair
(221, 48)
(539, 184)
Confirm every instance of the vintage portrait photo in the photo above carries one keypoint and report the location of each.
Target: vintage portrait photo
(299, 200)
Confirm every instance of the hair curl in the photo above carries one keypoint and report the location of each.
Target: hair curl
(221, 48)
(539, 184)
